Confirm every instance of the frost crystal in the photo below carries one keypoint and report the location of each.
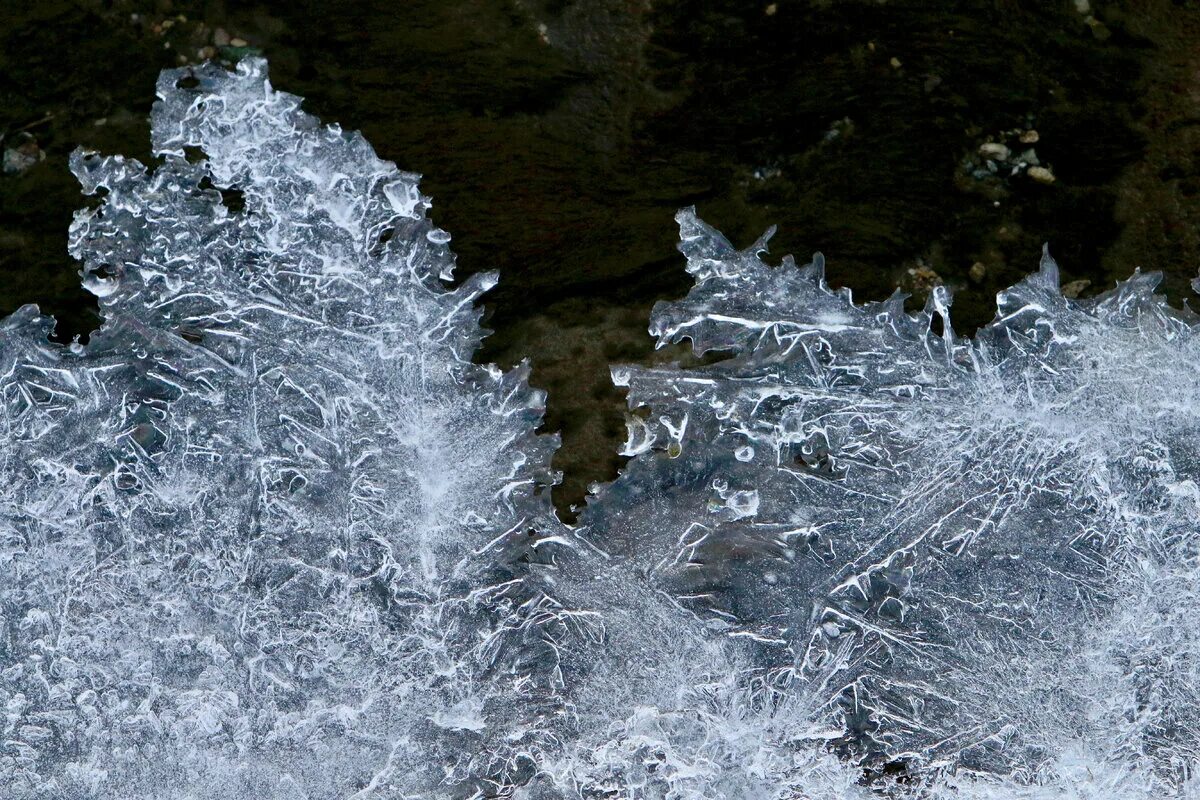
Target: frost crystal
(976, 560)
(250, 534)
(271, 534)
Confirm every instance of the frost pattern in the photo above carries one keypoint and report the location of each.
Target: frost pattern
(271, 534)
(251, 533)
(977, 559)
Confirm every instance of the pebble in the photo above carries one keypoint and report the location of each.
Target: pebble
(895, 62)
(238, 41)
(1041, 175)
(220, 37)
(1029, 137)
(1083, 6)
(1099, 30)
(978, 271)
(1075, 288)
(994, 151)
(23, 156)
(771, 9)
(921, 278)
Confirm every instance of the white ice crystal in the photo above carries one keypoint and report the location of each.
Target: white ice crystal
(251, 533)
(271, 534)
(976, 559)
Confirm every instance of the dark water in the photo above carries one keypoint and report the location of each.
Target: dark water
(558, 138)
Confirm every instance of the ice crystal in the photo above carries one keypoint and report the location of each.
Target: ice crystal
(251, 532)
(976, 559)
(271, 534)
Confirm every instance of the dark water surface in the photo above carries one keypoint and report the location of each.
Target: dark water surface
(558, 138)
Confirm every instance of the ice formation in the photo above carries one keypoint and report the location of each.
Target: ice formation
(271, 534)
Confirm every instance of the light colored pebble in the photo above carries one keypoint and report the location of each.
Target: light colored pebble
(1075, 288)
(1041, 175)
(994, 151)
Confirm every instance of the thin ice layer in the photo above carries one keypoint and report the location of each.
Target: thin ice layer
(974, 556)
(252, 532)
(271, 534)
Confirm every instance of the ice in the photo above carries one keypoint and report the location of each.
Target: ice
(975, 559)
(240, 529)
(271, 534)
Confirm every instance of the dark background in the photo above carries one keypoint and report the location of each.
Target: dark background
(558, 137)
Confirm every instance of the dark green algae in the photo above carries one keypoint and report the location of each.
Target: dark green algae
(558, 138)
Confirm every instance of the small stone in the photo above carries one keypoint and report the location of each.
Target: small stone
(921, 278)
(871, 46)
(220, 37)
(994, 151)
(1083, 6)
(1099, 30)
(1041, 175)
(238, 41)
(1075, 288)
(771, 9)
(23, 156)
(895, 62)
(978, 271)
(1029, 137)
(207, 52)
(167, 24)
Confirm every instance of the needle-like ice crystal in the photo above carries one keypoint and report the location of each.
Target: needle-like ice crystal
(271, 534)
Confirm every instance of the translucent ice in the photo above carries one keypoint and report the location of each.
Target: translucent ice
(271, 534)
(253, 530)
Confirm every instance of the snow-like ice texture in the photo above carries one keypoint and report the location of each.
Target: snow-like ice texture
(268, 533)
(978, 559)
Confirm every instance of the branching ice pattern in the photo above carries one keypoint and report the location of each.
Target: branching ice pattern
(271, 534)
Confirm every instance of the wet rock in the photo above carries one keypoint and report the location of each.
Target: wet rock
(1099, 30)
(978, 271)
(23, 155)
(1042, 175)
(1029, 137)
(1075, 288)
(994, 151)
(921, 279)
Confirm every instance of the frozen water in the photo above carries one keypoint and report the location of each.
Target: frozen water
(271, 534)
